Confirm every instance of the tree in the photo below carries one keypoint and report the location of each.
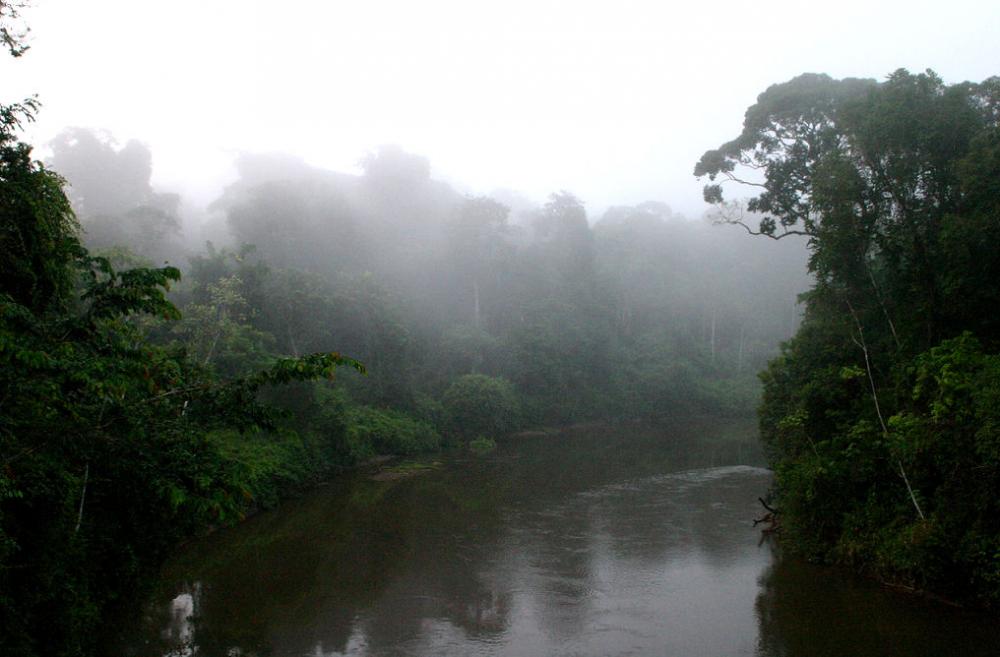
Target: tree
(564, 232)
(303, 223)
(219, 333)
(13, 35)
(869, 173)
(104, 179)
(106, 449)
(891, 184)
(111, 192)
(479, 405)
(38, 231)
(477, 250)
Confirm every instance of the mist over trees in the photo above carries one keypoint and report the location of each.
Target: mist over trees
(155, 385)
(112, 196)
(142, 405)
(637, 313)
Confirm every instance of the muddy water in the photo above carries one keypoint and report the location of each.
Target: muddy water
(625, 541)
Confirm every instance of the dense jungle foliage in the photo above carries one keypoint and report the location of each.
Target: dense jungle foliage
(166, 369)
(112, 447)
(143, 402)
(639, 314)
(881, 414)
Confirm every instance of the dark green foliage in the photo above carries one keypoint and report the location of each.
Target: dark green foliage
(880, 415)
(106, 457)
(373, 431)
(38, 233)
(107, 454)
(476, 405)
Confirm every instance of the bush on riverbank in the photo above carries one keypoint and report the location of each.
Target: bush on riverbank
(476, 405)
(373, 431)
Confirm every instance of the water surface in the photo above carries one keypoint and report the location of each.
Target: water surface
(626, 541)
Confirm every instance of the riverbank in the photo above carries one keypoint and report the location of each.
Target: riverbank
(585, 543)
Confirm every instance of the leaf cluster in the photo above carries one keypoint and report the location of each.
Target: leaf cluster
(879, 416)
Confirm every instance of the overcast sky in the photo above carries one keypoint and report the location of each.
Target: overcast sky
(614, 101)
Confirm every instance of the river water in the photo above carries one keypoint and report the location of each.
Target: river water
(600, 541)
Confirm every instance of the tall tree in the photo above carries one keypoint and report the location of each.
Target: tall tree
(869, 411)
(477, 250)
(111, 192)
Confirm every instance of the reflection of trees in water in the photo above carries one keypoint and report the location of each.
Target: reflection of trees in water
(174, 618)
(452, 541)
(391, 552)
(555, 564)
(804, 610)
(386, 563)
(673, 515)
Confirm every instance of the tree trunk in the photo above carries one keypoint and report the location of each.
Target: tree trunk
(739, 358)
(475, 300)
(712, 340)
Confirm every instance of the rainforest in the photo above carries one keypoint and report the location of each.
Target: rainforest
(476, 419)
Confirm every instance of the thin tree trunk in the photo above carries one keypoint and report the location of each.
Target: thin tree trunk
(83, 497)
(291, 340)
(713, 335)
(885, 311)
(475, 297)
(290, 332)
(739, 359)
(878, 410)
(211, 348)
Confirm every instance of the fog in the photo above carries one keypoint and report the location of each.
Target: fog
(613, 103)
(443, 190)
(635, 312)
(483, 272)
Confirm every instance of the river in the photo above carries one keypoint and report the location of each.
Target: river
(598, 541)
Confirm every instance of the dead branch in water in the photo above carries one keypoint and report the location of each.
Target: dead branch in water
(770, 518)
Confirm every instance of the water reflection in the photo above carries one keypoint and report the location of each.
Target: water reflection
(179, 630)
(805, 610)
(590, 543)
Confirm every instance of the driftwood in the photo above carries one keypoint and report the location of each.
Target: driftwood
(770, 518)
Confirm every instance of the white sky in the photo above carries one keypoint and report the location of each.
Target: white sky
(614, 101)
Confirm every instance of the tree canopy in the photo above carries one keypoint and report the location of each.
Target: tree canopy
(870, 413)
(109, 441)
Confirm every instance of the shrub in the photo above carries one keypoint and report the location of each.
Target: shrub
(372, 431)
(482, 445)
(475, 405)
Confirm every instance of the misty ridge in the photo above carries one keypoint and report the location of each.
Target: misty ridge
(638, 312)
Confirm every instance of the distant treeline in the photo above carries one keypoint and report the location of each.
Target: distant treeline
(882, 415)
(640, 315)
(151, 390)
(142, 402)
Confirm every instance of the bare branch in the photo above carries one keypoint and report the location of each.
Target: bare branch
(731, 177)
(779, 236)
(733, 213)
